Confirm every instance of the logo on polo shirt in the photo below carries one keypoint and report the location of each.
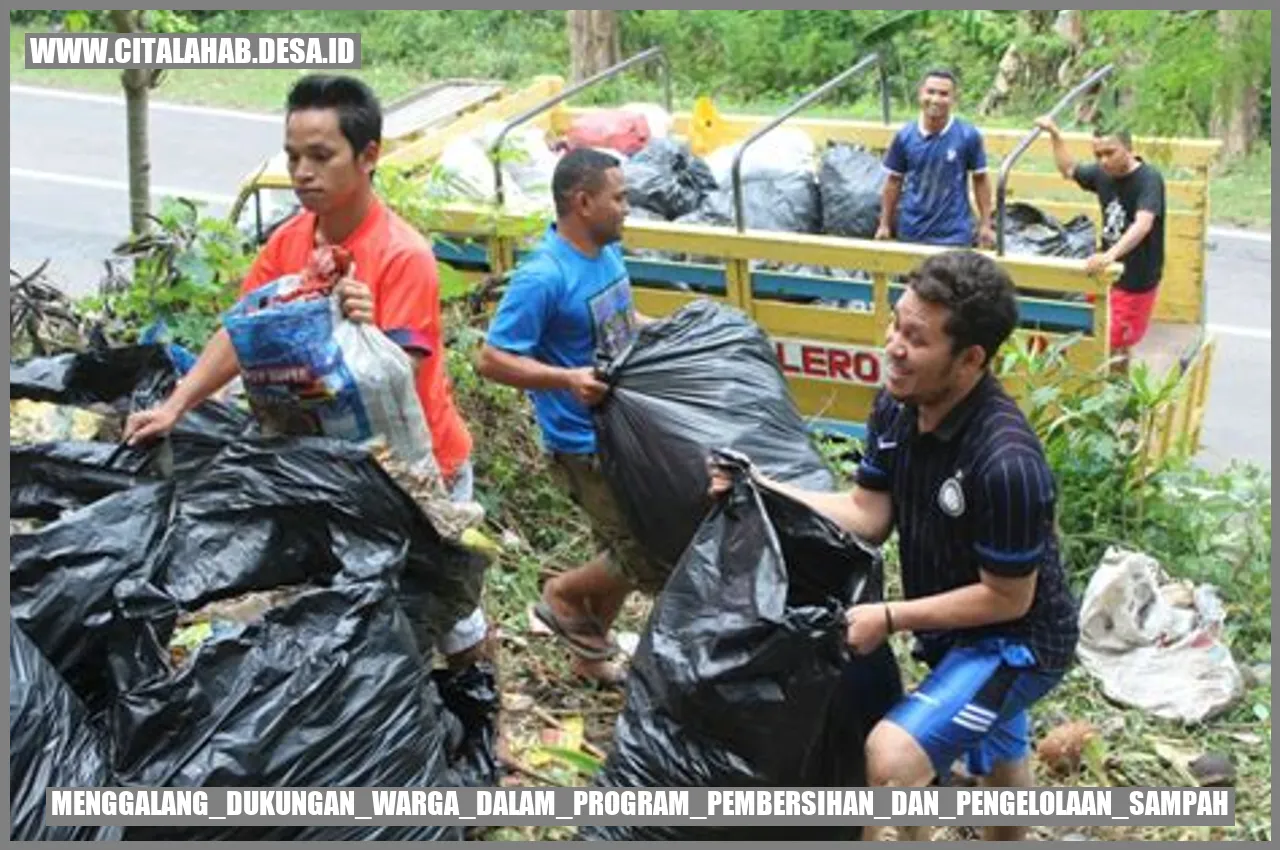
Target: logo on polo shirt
(951, 154)
(951, 496)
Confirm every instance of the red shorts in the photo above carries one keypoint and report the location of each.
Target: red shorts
(1130, 316)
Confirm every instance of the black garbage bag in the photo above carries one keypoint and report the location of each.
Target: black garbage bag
(788, 203)
(262, 514)
(47, 479)
(471, 695)
(327, 689)
(737, 680)
(849, 181)
(667, 178)
(1029, 230)
(61, 580)
(1082, 238)
(703, 378)
(51, 745)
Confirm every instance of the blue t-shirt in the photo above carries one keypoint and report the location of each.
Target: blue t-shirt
(563, 308)
(934, 207)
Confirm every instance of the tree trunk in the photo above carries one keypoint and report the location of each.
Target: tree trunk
(136, 88)
(1237, 117)
(593, 41)
(137, 83)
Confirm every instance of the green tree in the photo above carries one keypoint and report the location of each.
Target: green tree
(137, 84)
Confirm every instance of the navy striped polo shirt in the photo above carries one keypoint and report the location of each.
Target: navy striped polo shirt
(974, 493)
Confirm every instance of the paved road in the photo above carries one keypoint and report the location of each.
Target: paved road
(68, 201)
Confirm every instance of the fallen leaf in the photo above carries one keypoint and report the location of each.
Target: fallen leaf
(1247, 738)
(516, 702)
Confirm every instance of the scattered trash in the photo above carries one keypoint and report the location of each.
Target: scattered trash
(1213, 769)
(1169, 661)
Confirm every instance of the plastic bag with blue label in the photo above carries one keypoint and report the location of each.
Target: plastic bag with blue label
(308, 371)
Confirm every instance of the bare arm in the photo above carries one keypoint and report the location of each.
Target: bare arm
(889, 196)
(528, 374)
(1142, 224)
(1061, 157)
(982, 196)
(866, 513)
(217, 365)
(995, 599)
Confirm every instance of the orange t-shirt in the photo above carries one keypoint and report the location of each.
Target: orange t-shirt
(397, 264)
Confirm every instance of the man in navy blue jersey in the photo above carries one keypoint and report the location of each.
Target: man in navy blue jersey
(953, 465)
(929, 163)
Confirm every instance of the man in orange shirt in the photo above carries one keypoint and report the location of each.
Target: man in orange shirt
(333, 132)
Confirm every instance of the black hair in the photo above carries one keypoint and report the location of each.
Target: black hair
(977, 292)
(359, 113)
(941, 73)
(1104, 131)
(579, 170)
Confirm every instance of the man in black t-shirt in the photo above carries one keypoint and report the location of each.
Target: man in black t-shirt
(1131, 193)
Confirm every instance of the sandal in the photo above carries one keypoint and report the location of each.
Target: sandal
(569, 630)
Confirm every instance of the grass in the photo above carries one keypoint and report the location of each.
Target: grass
(1241, 195)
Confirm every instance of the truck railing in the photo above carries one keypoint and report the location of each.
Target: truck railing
(650, 55)
(1006, 166)
(739, 215)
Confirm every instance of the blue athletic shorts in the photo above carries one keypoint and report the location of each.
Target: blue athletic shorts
(974, 703)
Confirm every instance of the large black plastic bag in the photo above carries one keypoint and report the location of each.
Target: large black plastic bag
(737, 678)
(261, 515)
(47, 479)
(703, 378)
(1081, 237)
(51, 745)
(61, 580)
(326, 690)
(667, 178)
(1029, 230)
(788, 203)
(849, 181)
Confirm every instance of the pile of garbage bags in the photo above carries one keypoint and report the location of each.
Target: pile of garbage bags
(227, 609)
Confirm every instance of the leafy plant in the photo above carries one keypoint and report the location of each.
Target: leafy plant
(1203, 526)
(184, 273)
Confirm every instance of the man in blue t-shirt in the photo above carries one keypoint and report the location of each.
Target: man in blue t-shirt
(926, 198)
(569, 304)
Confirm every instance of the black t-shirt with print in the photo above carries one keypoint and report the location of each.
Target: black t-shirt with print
(1141, 189)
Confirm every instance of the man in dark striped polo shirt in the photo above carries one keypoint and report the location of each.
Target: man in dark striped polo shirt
(953, 465)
